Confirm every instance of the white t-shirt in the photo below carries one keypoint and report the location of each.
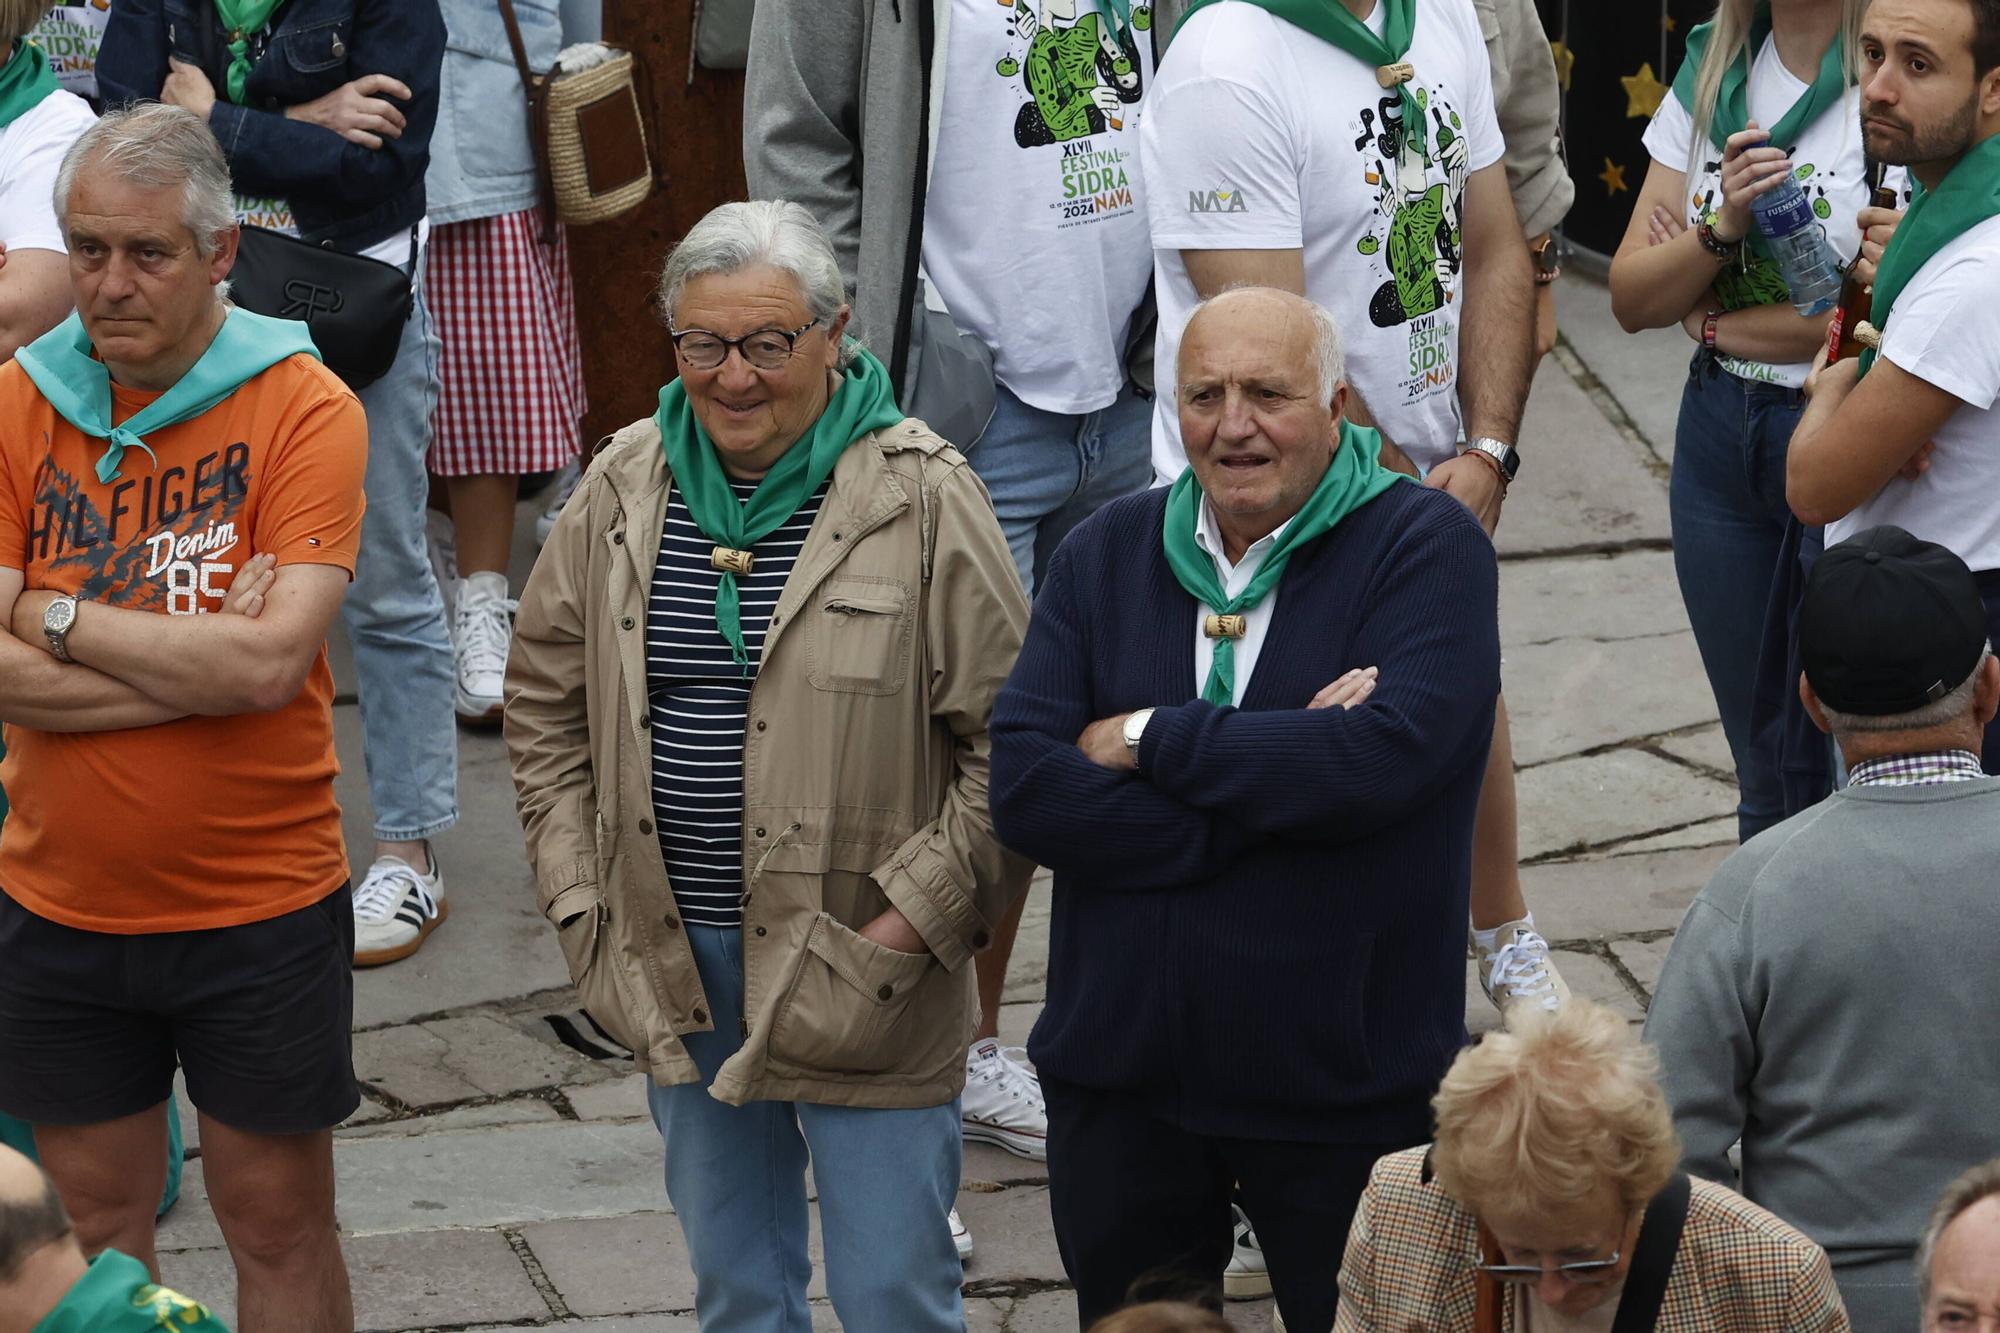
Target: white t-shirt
(1235, 578)
(1256, 128)
(31, 152)
(1034, 224)
(71, 35)
(1828, 159)
(1945, 330)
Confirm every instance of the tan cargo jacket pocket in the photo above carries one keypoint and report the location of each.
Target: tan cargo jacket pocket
(845, 1010)
(858, 635)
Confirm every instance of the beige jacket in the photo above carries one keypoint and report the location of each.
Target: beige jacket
(864, 776)
(1527, 99)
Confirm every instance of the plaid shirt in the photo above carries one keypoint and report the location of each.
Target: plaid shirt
(1739, 1269)
(1916, 770)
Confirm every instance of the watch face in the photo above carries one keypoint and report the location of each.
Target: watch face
(59, 617)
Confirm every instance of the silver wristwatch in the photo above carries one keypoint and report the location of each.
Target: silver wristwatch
(1500, 452)
(1135, 729)
(57, 622)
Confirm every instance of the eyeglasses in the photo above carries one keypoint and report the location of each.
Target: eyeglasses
(1589, 1272)
(766, 349)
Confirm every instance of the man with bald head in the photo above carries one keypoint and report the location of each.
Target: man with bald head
(1246, 731)
(47, 1287)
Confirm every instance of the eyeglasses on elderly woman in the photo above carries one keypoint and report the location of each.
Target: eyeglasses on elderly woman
(764, 349)
(1584, 1272)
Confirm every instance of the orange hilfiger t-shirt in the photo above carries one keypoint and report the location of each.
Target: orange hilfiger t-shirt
(207, 821)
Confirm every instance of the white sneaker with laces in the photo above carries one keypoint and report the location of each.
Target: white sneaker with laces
(961, 1236)
(560, 490)
(396, 908)
(1246, 1278)
(1519, 971)
(482, 630)
(441, 542)
(1003, 1103)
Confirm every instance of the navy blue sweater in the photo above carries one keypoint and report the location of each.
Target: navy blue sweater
(1261, 933)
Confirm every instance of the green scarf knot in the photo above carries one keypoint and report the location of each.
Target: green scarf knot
(1967, 196)
(24, 81)
(1352, 479)
(863, 402)
(242, 20)
(78, 386)
(1330, 21)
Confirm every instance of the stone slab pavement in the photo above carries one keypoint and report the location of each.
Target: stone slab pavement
(495, 1178)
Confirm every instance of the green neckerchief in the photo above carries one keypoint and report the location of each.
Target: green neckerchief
(863, 402)
(1355, 477)
(1330, 21)
(1967, 196)
(1732, 97)
(78, 385)
(116, 1295)
(24, 81)
(242, 20)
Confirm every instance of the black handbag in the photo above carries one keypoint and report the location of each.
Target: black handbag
(354, 305)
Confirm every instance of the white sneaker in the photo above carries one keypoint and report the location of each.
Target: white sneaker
(482, 630)
(560, 490)
(960, 1236)
(1003, 1102)
(441, 541)
(396, 909)
(1246, 1278)
(1519, 970)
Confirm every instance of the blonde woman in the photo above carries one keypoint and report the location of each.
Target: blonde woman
(1552, 1200)
(1767, 91)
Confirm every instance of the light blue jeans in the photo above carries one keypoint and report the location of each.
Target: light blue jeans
(737, 1179)
(1048, 472)
(394, 611)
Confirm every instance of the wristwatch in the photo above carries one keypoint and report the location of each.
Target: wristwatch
(1548, 257)
(57, 622)
(1503, 454)
(1135, 727)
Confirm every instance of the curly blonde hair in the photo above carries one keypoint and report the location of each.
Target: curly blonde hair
(1542, 1115)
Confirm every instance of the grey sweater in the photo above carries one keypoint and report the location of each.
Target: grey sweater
(1833, 999)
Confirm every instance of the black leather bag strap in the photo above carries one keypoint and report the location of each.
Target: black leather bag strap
(1653, 1258)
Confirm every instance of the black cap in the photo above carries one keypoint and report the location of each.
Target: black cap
(1889, 624)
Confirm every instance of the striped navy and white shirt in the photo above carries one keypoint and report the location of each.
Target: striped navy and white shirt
(700, 702)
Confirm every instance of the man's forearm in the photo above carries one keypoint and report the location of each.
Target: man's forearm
(215, 666)
(1497, 342)
(38, 692)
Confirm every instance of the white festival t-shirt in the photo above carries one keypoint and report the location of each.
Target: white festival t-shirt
(1034, 223)
(1827, 157)
(1945, 330)
(31, 152)
(1256, 129)
(71, 34)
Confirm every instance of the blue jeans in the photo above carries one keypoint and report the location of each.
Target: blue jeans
(1727, 503)
(737, 1179)
(1048, 472)
(394, 611)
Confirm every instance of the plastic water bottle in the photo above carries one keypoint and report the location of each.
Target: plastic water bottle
(1800, 249)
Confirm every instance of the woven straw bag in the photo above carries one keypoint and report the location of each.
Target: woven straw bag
(590, 119)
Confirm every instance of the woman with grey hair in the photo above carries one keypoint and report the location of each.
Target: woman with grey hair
(38, 123)
(747, 710)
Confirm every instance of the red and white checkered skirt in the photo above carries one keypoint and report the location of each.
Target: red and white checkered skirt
(511, 399)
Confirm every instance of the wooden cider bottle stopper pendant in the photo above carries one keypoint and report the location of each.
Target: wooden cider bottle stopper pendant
(1224, 627)
(1868, 335)
(728, 561)
(1390, 76)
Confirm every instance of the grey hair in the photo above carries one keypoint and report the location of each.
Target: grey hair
(1946, 708)
(1972, 1188)
(155, 147)
(1329, 360)
(733, 237)
(18, 18)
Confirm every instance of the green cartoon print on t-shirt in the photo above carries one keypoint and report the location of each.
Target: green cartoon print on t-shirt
(1080, 73)
(1418, 221)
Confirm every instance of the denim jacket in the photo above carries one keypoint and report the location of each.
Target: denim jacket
(482, 162)
(340, 193)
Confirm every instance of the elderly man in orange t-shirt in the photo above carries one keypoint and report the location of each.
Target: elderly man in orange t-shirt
(173, 884)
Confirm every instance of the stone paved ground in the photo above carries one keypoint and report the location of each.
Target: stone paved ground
(495, 1178)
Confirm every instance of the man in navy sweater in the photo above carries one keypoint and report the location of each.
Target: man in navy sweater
(1247, 732)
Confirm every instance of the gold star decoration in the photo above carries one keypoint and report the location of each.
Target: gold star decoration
(1613, 177)
(1643, 92)
(1667, 22)
(1565, 62)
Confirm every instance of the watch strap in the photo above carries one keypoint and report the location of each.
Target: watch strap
(1506, 460)
(59, 639)
(1708, 323)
